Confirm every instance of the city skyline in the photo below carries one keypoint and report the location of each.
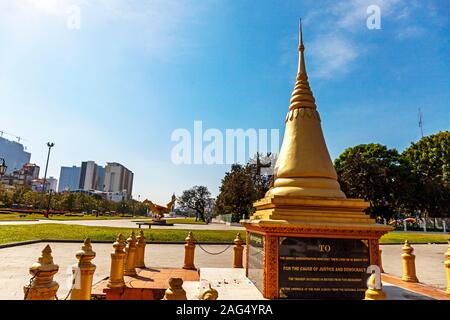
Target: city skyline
(118, 87)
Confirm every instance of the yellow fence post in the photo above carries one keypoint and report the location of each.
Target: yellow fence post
(42, 287)
(140, 251)
(447, 267)
(117, 264)
(209, 294)
(238, 252)
(175, 290)
(86, 271)
(189, 251)
(409, 263)
(130, 259)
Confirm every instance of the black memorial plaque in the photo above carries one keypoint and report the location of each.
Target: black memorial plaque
(256, 259)
(320, 268)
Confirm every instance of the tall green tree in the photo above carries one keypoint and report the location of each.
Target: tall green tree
(241, 187)
(429, 159)
(198, 200)
(378, 175)
(237, 193)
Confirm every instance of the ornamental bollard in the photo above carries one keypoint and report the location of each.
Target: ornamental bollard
(409, 263)
(42, 287)
(189, 250)
(85, 268)
(117, 264)
(238, 252)
(130, 258)
(209, 294)
(374, 293)
(447, 267)
(175, 290)
(140, 250)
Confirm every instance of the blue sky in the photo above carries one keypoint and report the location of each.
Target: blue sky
(135, 71)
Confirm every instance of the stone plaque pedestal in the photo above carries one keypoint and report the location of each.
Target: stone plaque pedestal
(310, 248)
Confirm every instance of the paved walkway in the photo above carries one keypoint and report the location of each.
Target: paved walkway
(15, 261)
(429, 262)
(126, 223)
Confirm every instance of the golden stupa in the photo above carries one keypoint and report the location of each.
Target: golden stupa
(305, 201)
(305, 187)
(304, 167)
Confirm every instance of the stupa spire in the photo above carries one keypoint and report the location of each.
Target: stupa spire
(302, 96)
(304, 167)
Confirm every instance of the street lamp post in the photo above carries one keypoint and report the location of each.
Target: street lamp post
(49, 202)
(50, 145)
(3, 167)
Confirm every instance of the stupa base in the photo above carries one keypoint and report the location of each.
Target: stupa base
(310, 248)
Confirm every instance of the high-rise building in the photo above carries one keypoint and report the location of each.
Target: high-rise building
(69, 179)
(31, 170)
(118, 179)
(50, 184)
(23, 176)
(100, 179)
(92, 176)
(88, 175)
(14, 154)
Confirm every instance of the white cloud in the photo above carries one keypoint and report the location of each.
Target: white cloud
(340, 25)
(410, 32)
(331, 54)
(352, 14)
(159, 27)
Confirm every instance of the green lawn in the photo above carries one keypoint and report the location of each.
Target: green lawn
(178, 220)
(17, 217)
(185, 221)
(414, 237)
(15, 233)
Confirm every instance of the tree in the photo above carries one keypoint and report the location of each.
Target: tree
(197, 199)
(378, 175)
(237, 193)
(262, 167)
(429, 159)
(68, 202)
(243, 185)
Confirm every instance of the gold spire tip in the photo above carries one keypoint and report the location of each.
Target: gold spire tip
(302, 47)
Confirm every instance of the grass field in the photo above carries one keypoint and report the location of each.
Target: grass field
(178, 220)
(27, 217)
(186, 221)
(16, 233)
(414, 237)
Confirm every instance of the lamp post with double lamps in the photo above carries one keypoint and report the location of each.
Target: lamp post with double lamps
(50, 145)
(3, 167)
